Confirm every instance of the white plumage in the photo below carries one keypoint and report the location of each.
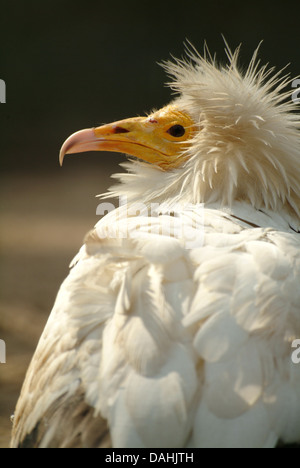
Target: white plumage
(175, 328)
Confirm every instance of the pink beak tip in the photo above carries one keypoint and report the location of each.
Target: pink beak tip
(77, 143)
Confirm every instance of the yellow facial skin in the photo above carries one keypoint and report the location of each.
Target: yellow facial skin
(158, 139)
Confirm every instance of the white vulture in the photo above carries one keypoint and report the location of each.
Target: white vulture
(176, 324)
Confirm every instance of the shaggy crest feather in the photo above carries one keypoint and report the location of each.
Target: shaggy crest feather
(248, 144)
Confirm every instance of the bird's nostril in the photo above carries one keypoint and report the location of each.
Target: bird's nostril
(120, 130)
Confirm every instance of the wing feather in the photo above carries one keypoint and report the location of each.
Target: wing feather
(154, 341)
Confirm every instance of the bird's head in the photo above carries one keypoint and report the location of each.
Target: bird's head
(228, 136)
(159, 139)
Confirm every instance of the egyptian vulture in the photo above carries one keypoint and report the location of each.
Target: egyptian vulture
(176, 323)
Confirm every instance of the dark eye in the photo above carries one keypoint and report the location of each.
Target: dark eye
(176, 131)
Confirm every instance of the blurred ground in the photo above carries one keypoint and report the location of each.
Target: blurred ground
(43, 220)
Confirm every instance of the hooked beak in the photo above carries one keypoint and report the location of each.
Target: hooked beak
(159, 139)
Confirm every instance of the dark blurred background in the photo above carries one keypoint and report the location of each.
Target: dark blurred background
(70, 65)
